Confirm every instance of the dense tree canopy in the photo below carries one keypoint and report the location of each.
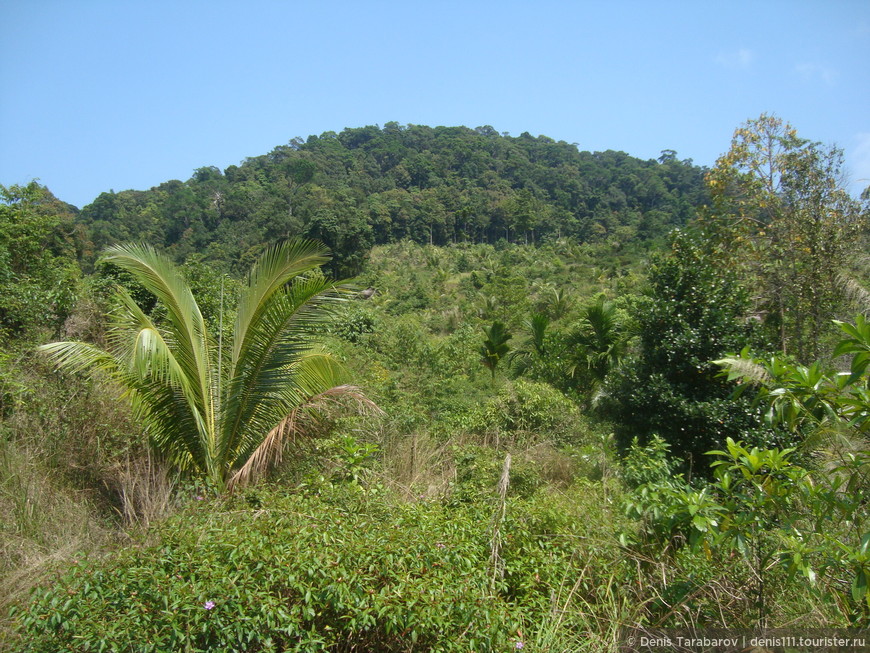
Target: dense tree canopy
(374, 185)
(38, 271)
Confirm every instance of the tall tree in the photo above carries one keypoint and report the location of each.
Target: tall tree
(778, 202)
(696, 312)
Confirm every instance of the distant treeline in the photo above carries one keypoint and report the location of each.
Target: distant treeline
(374, 185)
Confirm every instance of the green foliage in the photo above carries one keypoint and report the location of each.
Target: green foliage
(694, 314)
(354, 458)
(780, 208)
(534, 351)
(648, 464)
(220, 412)
(803, 398)
(817, 403)
(38, 272)
(306, 572)
(659, 500)
(530, 408)
(354, 322)
(595, 346)
(341, 562)
(495, 346)
(783, 520)
(433, 186)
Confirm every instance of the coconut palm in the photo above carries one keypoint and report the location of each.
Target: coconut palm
(222, 411)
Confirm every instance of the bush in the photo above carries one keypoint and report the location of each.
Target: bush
(302, 573)
(529, 407)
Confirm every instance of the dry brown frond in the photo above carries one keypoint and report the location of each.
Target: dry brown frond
(294, 425)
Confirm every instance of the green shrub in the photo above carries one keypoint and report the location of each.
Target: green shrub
(354, 322)
(648, 464)
(529, 407)
(300, 573)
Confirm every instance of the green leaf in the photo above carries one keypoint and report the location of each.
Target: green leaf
(859, 585)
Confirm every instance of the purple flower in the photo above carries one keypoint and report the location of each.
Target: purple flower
(441, 545)
(199, 498)
(519, 645)
(209, 605)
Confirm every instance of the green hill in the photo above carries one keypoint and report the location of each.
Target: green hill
(372, 185)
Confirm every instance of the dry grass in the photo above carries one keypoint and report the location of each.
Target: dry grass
(555, 467)
(145, 487)
(43, 525)
(417, 465)
(75, 474)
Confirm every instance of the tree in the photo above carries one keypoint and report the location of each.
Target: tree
(535, 348)
(220, 412)
(38, 269)
(599, 339)
(495, 346)
(778, 202)
(696, 312)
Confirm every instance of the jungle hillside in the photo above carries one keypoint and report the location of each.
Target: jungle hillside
(412, 388)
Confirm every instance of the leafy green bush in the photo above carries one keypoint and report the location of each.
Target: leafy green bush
(354, 322)
(302, 573)
(529, 407)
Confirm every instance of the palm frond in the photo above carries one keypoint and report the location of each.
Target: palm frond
(274, 378)
(162, 407)
(186, 329)
(310, 375)
(744, 369)
(79, 357)
(270, 450)
(276, 267)
(264, 385)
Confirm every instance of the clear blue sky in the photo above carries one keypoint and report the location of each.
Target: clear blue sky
(98, 95)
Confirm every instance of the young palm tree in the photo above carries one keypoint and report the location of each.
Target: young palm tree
(222, 412)
(599, 342)
(521, 360)
(495, 346)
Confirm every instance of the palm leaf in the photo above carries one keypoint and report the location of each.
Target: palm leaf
(264, 386)
(276, 267)
(269, 452)
(186, 337)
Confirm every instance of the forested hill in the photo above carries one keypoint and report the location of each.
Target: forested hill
(374, 185)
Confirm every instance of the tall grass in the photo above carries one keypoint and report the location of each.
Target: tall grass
(75, 476)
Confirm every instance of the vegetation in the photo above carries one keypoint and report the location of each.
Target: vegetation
(583, 424)
(373, 185)
(227, 422)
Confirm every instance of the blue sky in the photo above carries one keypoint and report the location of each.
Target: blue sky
(98, 95)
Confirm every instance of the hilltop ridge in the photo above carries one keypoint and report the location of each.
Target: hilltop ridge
(376, 185)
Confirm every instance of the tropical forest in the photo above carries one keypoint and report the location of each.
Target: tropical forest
(407, 388)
